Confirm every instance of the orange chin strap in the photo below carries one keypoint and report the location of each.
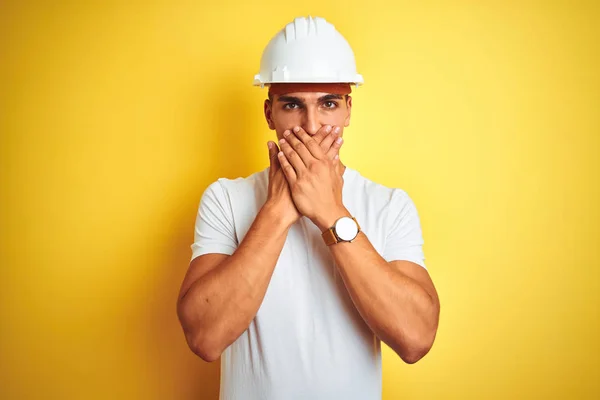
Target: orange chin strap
(333, 88)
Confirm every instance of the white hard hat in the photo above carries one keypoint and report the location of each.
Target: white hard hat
(308, 50)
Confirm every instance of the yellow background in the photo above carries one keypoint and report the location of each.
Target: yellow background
(115, 116)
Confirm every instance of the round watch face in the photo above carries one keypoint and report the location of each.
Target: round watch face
(346, 229)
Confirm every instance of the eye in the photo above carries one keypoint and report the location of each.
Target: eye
(291, 106)
(330, 104)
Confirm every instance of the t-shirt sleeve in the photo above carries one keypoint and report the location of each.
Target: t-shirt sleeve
(404, 240)
(214, 230)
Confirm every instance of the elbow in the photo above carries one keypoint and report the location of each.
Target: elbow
(415, 349)
(420, 340)
(413, 354)
(205, 354)
(204, 349)
(198, 339)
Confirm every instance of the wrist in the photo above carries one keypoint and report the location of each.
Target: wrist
(275, 214)
(326, 220)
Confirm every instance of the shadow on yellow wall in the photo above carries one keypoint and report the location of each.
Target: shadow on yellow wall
(228, 157)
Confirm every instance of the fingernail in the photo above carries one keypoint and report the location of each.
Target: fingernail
(282, 141)
(337, 129)
(270, 145)
(328, 128)
(339, 140)
(296, 129)
(286, 133)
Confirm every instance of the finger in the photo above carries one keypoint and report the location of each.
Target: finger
(309, 142)
(329, 139)
(288, 170)
(322, 133)
(299, 147)
(336, 163)
(292, 157)
(334, 150)
(273, 161)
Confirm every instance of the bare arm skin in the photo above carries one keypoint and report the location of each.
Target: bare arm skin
(221, 294)
(397, 300)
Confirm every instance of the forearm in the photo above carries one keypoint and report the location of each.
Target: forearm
(221, 304)
(396, 308)
(391, 298)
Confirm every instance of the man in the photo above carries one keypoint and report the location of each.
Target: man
(298, 271)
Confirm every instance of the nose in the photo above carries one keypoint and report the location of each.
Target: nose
(311, 123)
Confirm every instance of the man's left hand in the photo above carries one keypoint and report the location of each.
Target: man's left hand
(315, 181)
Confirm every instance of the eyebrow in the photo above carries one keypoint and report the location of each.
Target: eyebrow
(328, 97)
(292, 99)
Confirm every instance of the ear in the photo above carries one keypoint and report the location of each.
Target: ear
(349, 108)
(269, 114)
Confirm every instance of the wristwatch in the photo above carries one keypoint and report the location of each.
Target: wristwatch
(345, 229)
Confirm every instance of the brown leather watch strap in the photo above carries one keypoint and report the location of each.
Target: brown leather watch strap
(330, 238)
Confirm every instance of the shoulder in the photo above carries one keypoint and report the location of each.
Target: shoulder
(387, 194)
(393, 202)
(240, 185)
(239, 198)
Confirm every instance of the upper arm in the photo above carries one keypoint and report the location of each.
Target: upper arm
(199, 267)
(214, 231)
(404, 243)
(418, 274)
(404, 238)
(214, 235)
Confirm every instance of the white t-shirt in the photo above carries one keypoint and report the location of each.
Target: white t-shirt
(307, 340)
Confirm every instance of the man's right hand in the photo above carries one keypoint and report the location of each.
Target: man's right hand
(279, 198)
